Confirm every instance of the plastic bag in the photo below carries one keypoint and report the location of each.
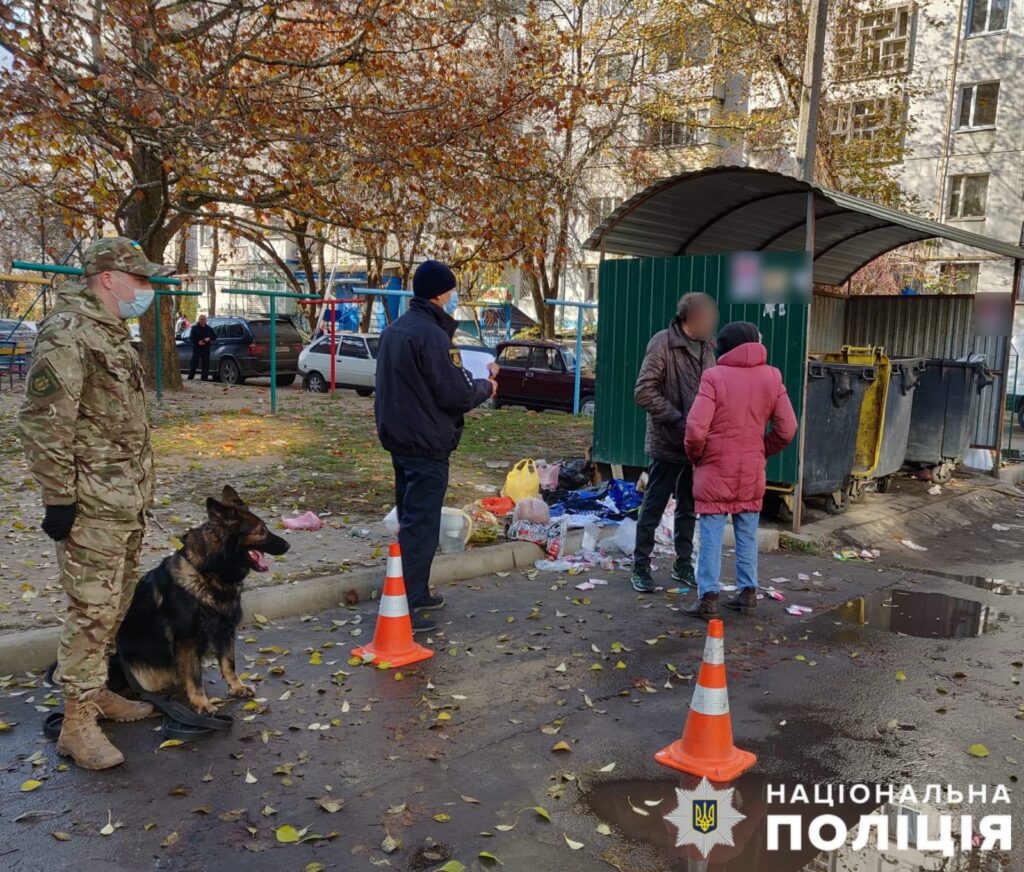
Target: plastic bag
(548, 474)
(498, 506)
(533, 510)
(625, 537)
(522, 481)
(575, 474)
(305, 521)
(485, 526)
(391, 522)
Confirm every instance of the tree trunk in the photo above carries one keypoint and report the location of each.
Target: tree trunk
(211, 281)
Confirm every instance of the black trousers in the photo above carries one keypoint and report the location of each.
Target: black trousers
(200, 354)
(420, 486)
(666, 480)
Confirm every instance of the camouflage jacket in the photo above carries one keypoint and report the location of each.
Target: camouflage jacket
(83, 425)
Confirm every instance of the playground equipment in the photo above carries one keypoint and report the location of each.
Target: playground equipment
(580, 308)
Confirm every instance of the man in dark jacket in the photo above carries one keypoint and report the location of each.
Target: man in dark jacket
(201, 336)
(422, 392)
(666, 388)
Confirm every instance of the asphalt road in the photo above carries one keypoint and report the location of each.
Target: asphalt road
(451, 760)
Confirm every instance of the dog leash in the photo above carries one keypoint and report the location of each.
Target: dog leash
(179, 722)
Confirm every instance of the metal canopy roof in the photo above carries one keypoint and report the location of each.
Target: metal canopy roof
(723, 209)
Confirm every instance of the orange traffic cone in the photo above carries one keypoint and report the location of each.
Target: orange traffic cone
(706, 748)
(392, 643)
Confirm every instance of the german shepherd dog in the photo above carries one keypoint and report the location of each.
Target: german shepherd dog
(190, 605)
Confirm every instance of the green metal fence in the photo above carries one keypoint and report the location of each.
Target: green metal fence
(638, 298)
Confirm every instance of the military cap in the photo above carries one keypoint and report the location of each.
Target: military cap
(121, 253)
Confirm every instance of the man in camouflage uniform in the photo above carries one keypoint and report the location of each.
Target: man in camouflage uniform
(84, 430)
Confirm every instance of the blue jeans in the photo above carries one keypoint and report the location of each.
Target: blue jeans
(709, 564)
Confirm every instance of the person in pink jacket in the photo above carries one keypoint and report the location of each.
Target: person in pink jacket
(727, 444)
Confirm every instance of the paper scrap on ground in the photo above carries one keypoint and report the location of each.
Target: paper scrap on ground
(935, 490)
(780, 580)
(913, 546)
(799, 610)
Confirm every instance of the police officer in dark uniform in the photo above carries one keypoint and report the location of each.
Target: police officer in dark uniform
(422, 392)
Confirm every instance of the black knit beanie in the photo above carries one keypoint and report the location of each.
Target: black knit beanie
(432, 278)
(735, 334)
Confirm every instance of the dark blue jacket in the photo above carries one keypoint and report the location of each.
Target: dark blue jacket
(422, 391)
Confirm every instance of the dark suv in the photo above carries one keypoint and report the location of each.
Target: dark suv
(541, 375)
(242, 349)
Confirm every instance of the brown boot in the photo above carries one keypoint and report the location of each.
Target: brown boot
(81, 738)
(114, 707)
(744, 602)
(705, 608)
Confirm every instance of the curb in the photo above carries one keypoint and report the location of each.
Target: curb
(36, 649)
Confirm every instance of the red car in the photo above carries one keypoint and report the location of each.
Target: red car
(541, 375)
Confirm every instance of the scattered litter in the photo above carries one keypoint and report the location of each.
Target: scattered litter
(497, 464)
(803, 577)
(935, 490)
(728, 588)
(1006, 528)
(799, 611)
(913, 546)
(775, 595)
(780, 580)
(305, 521)
(363, 533)
(591, 584)
(854, 554)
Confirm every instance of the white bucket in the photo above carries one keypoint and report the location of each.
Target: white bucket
(456, 528)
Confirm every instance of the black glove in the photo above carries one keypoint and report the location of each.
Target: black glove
(58, 522)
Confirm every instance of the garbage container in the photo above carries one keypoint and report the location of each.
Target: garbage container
(885, 415)
(835, 392)
(943, 417)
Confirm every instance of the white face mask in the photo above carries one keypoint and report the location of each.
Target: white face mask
(452, 304)
(134, 308)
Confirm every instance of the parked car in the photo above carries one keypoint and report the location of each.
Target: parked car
(241, 349)
(541, 375)
(355, 363)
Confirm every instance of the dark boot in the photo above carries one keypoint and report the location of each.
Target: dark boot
(704, 608)
(744, 602)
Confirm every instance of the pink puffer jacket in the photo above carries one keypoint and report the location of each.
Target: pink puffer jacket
(725, 430)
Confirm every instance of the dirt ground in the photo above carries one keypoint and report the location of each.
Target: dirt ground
(320, 452)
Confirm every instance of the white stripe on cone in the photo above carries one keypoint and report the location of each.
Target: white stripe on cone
(394, 566)
(393, 606)
(710, 701)
(714, 651)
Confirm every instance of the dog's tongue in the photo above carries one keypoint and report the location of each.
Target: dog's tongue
(259, 562)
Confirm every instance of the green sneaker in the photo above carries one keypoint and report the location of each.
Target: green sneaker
(684, 577)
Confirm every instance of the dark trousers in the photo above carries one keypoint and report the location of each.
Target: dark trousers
(666, 480)
(200, 354)
(420, 486)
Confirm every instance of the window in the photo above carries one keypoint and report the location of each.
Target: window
(959, 278)
(547, 359)
(515, 357)
(373, 343)
(874, 44)
(591, 278)
(987, 16)
(978, 105)
(967, 196)
(354, 348)
(692, 50)
(613, 70)
(205, 235)
(691, 129)
(599, 208)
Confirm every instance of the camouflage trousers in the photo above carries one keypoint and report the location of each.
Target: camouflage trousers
(99, 568)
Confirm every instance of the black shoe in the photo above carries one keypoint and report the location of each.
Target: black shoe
(704, 608)
(191, 377)
(641, 580)
(685, 577)
(421, 624)
(430, 602)
(744, 602)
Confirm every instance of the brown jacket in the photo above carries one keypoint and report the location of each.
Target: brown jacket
(666, 388)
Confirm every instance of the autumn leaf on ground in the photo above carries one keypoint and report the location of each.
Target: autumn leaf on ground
(978, 751)
(561, 746)
(574, 845)
(30, 785)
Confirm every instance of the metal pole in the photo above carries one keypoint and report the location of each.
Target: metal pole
(579, 358)
(1005, 366)
(508, 321)
(798, 487)
(334, 319)
(273, 354)
(157, 344)
(810, 93)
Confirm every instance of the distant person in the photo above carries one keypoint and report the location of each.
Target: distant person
(422, 392)
(666, 387)
(201, 337)
(181, 325)
(726, 441)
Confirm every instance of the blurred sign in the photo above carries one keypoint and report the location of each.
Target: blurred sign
(769, 277)
(993, 314)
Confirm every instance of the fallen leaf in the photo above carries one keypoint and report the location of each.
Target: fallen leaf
(62, 837)
(542, 813)
(390, 844)
(604, 829)
(640, 811)
(170, 743)
(561, 746)
(978, 751)
(330, 805)
(471, 799)
(488, 857)
(171, 839)
(314, 867)
(561, 667)
(504, 828)
(609, 768)
(287, 834)
(108, 830)
(574, 845)
(901, 675)
(249, 777)
(30, 785)
(442, 818)
(452, 866)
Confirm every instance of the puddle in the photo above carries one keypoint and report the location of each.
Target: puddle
(998, 586)
(614, 803)
(927, 615)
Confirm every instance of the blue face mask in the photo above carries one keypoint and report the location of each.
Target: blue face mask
(452, 304)
(135, 308)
